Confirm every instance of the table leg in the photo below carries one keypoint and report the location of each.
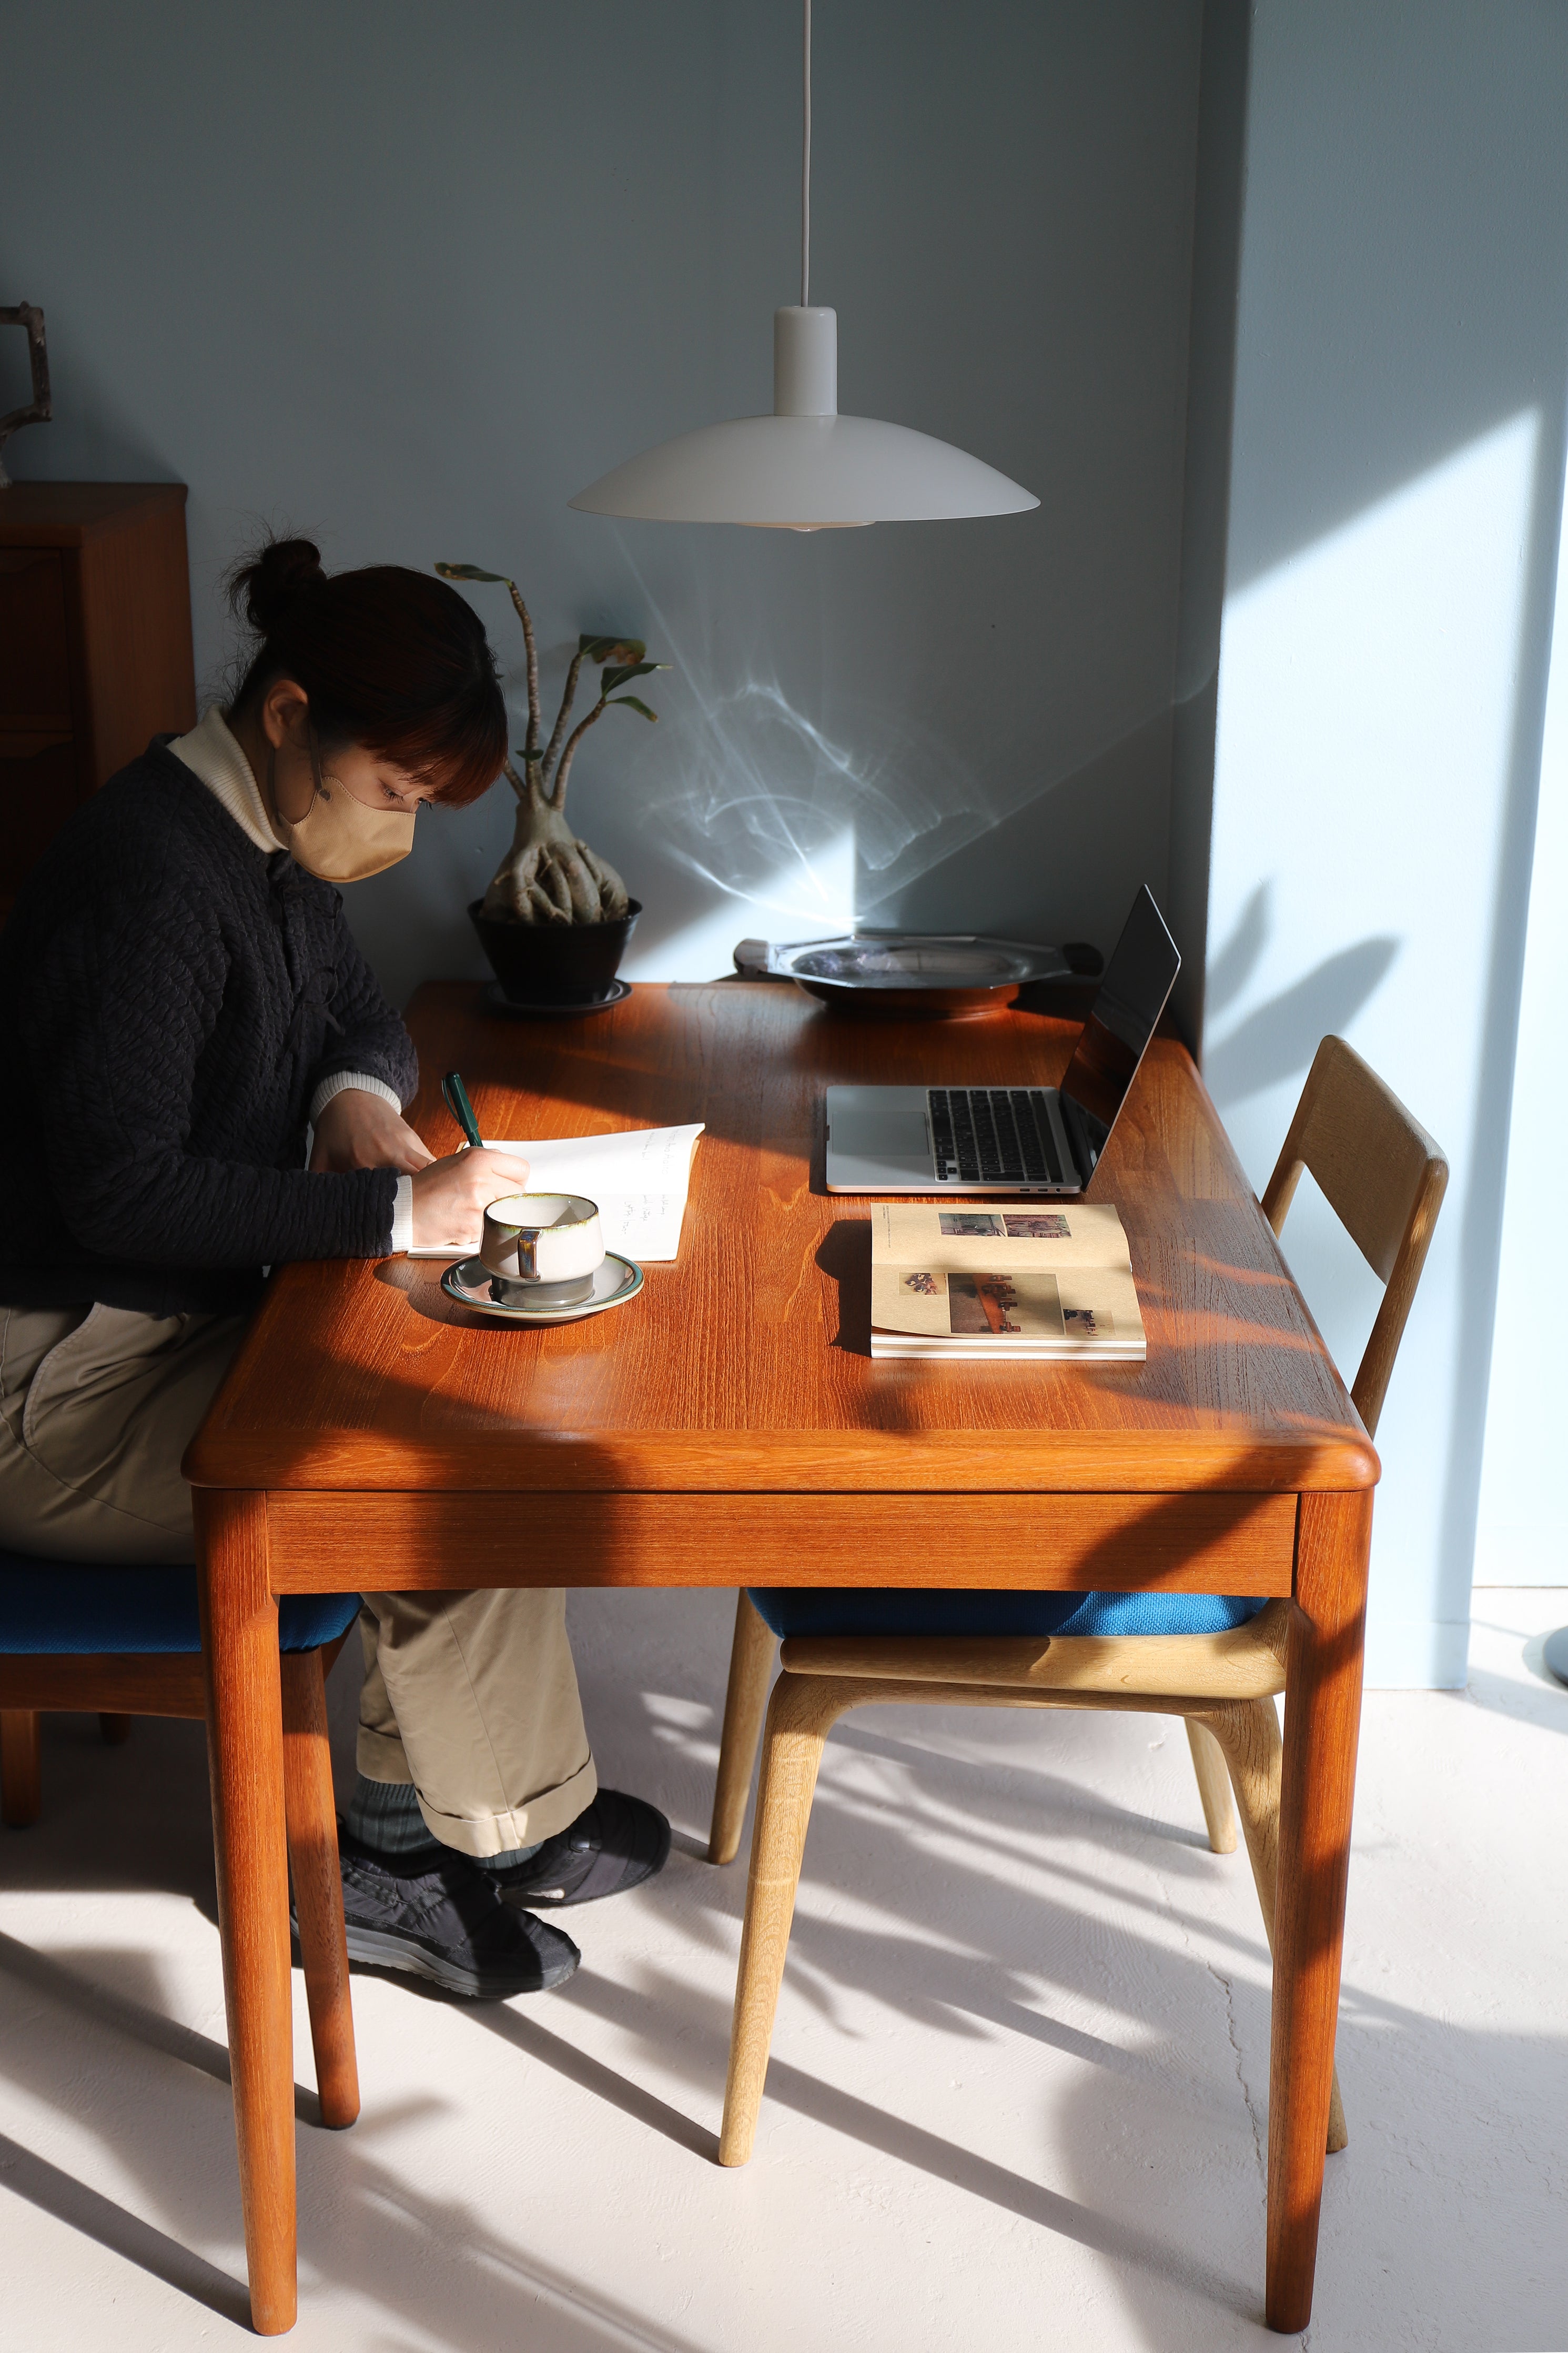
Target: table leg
(1323, 1717)
(244, 1754)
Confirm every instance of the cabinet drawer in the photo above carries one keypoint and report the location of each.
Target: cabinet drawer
(35, 668)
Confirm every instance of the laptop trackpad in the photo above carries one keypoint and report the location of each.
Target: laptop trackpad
(876, 1137)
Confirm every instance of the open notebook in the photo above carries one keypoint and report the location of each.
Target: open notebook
(639, 1180)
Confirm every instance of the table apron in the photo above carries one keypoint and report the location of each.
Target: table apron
(1193, 1543)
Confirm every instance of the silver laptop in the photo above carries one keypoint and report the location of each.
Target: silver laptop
(962, 1139)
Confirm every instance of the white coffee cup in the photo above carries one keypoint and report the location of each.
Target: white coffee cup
(541, 1250)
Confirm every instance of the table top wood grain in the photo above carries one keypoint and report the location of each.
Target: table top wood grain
(745, 1365)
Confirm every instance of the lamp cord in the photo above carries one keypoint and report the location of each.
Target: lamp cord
(805, 169)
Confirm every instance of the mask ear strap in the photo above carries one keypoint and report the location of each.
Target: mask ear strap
(321, 792)
(269, 789)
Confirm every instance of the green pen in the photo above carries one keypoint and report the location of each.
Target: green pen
(455, 1095)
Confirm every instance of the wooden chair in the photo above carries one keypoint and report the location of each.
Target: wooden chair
(127, 1642)
(1384, 1178)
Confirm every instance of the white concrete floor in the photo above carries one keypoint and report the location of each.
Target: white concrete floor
(1019, 2084)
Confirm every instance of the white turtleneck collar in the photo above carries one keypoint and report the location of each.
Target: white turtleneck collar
(211, 753)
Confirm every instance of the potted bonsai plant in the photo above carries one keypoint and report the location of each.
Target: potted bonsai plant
(555, 919)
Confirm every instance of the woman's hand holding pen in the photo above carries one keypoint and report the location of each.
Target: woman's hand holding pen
(359, 1130)
(450, 1196)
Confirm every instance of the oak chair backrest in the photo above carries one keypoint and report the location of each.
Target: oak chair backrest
(1384, 1178)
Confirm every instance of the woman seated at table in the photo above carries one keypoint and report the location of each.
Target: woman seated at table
(182, 995)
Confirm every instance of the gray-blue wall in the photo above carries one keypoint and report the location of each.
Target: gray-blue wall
(407, 277)
(1396, 508)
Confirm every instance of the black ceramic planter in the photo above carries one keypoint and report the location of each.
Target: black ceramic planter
(554, 964)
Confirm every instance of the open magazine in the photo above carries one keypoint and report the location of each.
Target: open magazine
(1003, 1279)
(639, 1180)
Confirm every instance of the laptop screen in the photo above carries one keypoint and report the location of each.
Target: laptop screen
(1138, 979)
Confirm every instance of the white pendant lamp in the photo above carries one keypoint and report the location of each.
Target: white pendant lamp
(804, 467)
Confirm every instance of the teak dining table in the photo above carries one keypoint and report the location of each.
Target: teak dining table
(729, 1427)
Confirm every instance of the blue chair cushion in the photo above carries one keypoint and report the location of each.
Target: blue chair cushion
(52, 1607)
(875, 1609)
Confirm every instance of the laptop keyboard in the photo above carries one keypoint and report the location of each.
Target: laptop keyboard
(993, 1135)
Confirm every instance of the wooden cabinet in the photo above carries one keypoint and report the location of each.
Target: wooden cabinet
(95, 646)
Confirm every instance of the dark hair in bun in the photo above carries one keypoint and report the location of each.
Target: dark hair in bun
(392, 659)
(262, 586)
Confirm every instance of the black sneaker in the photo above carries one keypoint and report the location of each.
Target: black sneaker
(438, 1915)
(616, 1842)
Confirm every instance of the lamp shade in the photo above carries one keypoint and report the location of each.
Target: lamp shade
(804, 467)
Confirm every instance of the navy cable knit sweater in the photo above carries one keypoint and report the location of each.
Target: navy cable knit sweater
(169, 1000)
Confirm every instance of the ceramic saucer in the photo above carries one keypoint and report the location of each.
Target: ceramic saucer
(615, 1282)
(498, 1001)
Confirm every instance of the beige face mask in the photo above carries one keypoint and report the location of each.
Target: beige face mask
(339, 839)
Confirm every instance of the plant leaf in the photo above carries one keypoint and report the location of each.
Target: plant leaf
(632, 701)
(471, 572)
(519, 753)
(603, 650)
(619, 674)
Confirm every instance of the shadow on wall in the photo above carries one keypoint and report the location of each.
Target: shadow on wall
(1277, 1039)
(1064, 865)
(1406, 233)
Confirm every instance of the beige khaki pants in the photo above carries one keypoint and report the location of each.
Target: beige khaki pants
(470, 1698)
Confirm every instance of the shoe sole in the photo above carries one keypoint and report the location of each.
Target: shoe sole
(387, 1952)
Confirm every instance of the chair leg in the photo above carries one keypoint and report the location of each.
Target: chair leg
(751, 1656)
(312, 1828)
(114, 1730)
(1213, 1787)
(801, 1713)
(1247, 1732)
(20, 1791)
